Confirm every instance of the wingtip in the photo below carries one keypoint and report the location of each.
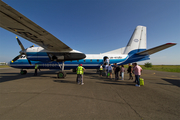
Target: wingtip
(171, 43)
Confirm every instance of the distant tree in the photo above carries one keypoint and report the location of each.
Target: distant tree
(148, 65)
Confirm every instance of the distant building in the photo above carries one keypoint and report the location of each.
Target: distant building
(3, 63)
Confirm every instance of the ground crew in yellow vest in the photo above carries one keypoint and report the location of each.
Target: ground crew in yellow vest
(36, 67)
(80, 70)
(100, 70)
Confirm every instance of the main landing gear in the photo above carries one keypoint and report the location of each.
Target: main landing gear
(62, 73)
(23, 72)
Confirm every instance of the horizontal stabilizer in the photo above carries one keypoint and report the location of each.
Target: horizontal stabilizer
(156, 49)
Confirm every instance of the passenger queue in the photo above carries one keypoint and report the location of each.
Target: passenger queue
(118, 72)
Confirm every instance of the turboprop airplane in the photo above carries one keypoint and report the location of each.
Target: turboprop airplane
(54, 54)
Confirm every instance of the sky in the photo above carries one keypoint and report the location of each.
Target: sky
(98, 26)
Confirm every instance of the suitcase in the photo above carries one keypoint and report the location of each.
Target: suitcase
(141, 81)
(108, 74)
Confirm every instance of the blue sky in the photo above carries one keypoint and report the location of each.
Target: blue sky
(97, 26)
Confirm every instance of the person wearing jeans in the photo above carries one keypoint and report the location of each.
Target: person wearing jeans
(122, 72)
(137, 71)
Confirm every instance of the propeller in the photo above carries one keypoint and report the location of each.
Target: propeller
(16, 58)
(22, 52)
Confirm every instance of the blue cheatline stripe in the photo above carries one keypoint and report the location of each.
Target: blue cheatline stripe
(88, 63)
(94, 64)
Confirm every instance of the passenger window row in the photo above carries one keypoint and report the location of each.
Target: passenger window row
(85, 60)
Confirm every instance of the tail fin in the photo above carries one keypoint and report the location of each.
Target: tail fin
(137, 43)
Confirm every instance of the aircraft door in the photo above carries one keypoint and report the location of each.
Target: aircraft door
(104, 60)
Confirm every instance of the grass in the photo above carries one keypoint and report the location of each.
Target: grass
(4, 66)
(166, 68)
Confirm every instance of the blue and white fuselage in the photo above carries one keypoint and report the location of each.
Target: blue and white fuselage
(133, 52)
(92, 61)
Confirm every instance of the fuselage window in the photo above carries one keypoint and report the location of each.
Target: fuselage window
(97, 60)
(77, 60)
(84, 60)
(91, 60)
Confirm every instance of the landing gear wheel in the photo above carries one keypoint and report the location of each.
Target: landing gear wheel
(73, 70)
(61, 74)
(23, 72)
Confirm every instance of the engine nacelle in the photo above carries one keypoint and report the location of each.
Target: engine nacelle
(40, 54)
(66, 56)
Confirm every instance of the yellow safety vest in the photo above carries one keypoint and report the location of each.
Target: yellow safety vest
(101, 68)
(80, 70)
(36, 66)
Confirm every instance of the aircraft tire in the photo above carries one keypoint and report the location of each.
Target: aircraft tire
(73, 70)
(23, 72)
(61, 74)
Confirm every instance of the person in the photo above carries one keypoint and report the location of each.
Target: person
(129, 70)
(36, 67)
(107, 61)
(80, 71)
(100, 70)
(116, 71)
(122, 72)
(132, 70)
(106, 69)
(137, 71)
(110, 70)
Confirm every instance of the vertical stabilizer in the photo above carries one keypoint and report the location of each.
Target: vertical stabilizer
(137, 43)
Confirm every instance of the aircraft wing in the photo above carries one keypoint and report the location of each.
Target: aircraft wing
(156, 49)
(13, 21)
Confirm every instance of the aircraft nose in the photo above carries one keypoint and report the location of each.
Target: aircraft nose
(9, 63)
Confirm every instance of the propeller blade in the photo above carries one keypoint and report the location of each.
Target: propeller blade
(29, 61)
(16, 58)
(22, 53)
(20, 44)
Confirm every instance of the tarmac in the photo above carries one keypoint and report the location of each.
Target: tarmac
(45, 97)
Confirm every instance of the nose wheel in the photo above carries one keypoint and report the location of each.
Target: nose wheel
(23, 72)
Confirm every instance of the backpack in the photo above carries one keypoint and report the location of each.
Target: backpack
(117, 69)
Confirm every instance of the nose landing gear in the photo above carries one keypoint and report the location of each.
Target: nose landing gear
(23, 72)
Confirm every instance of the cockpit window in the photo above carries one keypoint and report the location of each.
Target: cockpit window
(23, 56)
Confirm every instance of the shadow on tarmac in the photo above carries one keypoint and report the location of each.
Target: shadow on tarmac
(65, 81)
(13, 76)
(173, 81)
(5, 77)
(115, 83)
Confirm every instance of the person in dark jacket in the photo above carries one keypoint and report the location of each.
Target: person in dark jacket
(116, 71)
(129, 70)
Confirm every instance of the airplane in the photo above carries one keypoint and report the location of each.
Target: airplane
(54, 54)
